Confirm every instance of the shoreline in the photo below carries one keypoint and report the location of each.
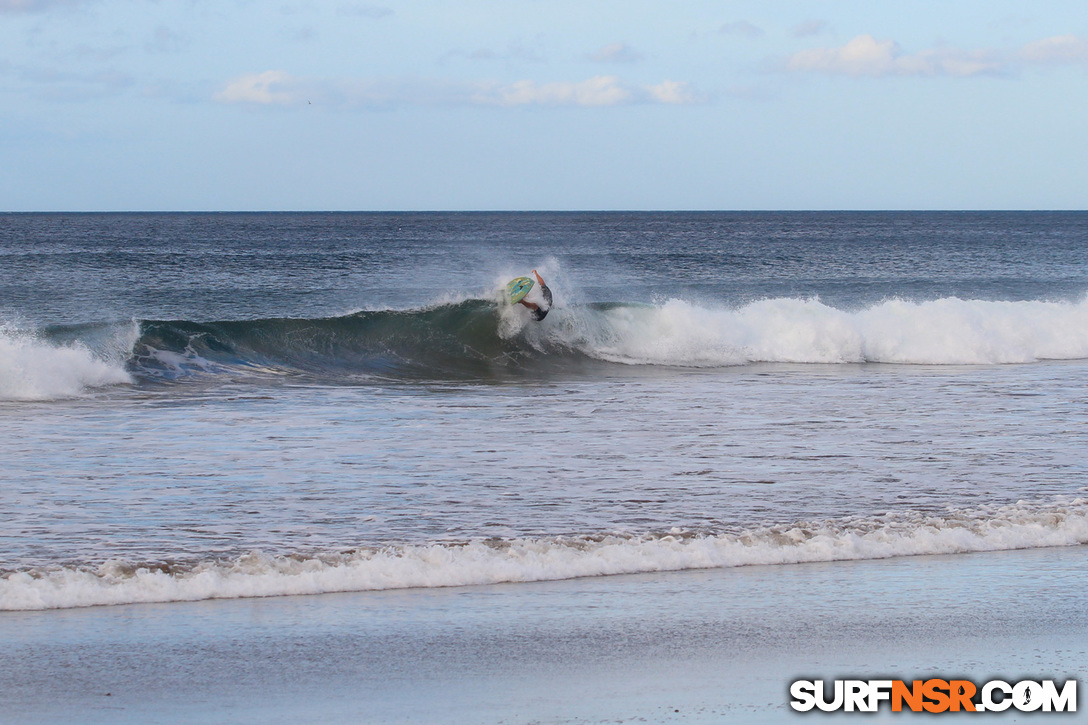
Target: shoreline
(692, 646)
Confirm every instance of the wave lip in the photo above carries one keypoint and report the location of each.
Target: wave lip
(1018, 526)
(35, 369)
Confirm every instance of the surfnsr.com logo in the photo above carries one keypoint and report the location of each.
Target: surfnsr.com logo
(934, 695)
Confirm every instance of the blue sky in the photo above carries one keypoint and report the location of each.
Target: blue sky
(526, 104)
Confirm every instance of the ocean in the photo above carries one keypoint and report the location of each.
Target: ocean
(214, 406)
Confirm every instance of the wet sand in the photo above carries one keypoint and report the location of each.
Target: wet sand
(707, 646)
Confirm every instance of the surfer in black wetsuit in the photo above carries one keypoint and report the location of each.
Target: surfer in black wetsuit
(539, 310)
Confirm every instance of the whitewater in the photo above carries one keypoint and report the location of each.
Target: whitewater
(519, 560)
(227, 406)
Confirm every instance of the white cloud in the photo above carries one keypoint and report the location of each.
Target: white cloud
(867, 56)
(615, 53)
(33, 6)
(273, 87)
(278, 88)
(596, 91)
(1059, 49)
(673, 92)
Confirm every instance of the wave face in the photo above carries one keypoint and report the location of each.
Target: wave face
(458, 340)
(481, 340)
(1018, 526)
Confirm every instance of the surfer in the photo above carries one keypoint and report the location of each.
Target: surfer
(539, 310)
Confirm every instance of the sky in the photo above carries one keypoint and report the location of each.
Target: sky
(191, 105)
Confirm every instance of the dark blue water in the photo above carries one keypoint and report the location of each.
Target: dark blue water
(73, 268)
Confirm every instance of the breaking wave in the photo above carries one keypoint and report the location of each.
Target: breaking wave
(1019, 526)
(33, 368)
(479, 339)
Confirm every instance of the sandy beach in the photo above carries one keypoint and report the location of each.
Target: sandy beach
(695, 647)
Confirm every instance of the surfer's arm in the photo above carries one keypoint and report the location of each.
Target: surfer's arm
(538, 279)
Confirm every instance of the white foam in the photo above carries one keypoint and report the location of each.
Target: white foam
(1020, 526)
(939, 332)
(34, 369)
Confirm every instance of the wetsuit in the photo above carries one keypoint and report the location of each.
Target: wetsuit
(541, 310)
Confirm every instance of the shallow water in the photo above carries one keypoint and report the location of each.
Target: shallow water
(688, 647)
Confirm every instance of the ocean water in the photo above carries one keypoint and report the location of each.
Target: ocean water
(198, 406)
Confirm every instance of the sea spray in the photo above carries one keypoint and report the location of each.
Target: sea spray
(32, 368)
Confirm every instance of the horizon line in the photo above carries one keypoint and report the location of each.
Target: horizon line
(543, 211)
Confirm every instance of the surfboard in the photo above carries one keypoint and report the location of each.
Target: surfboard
(517, 288)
